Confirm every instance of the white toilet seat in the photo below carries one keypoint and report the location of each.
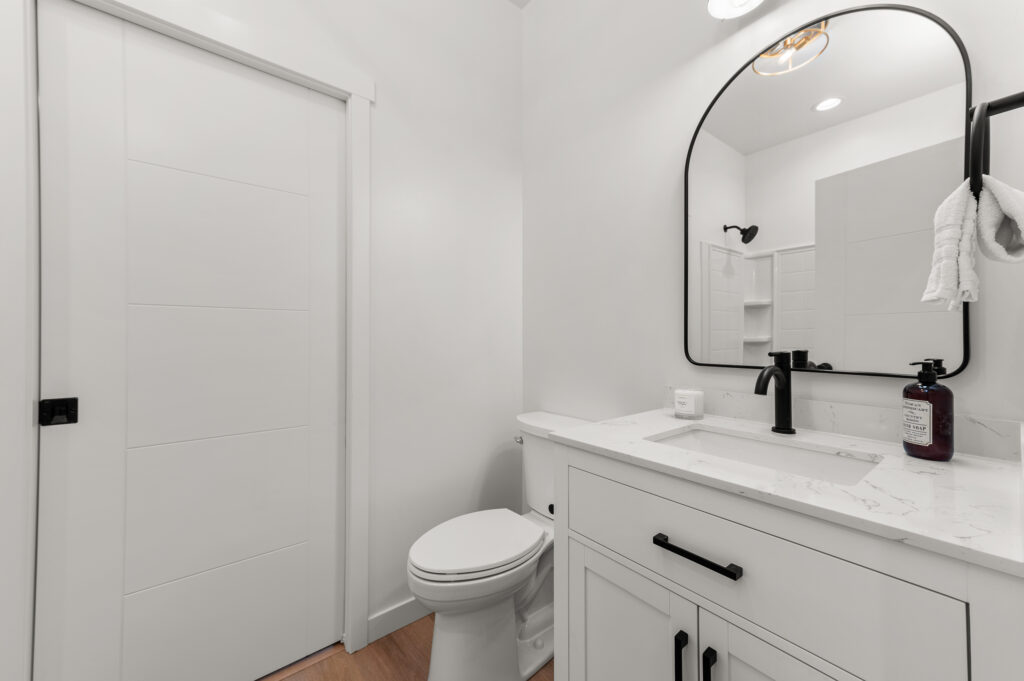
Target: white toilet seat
(472, 592)
(475, 545)
(479, 555)
(447, 577)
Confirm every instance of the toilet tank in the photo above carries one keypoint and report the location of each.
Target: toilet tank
(538, 457)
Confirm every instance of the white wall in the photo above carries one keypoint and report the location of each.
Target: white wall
(874, 258)
(613, 92)
(721, 288)
(18, 344)
(795, 323)
(900, 129)
(446, 265)
(718, 189)
(718, 184)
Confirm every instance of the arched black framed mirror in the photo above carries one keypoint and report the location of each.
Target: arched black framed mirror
(811, 182)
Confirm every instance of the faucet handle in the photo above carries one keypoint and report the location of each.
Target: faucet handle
(782, 359)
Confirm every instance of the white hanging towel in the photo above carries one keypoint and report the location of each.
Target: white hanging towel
(953, 279)
(1000, 221)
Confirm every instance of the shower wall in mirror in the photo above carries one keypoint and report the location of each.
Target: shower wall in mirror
(811, 187)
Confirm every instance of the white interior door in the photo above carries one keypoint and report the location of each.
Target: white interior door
(192, 246)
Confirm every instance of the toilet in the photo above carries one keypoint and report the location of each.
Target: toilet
(488, 575)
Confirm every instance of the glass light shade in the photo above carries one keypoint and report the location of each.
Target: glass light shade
(730, 9)
(793, 52)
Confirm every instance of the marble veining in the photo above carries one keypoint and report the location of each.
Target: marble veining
(970, 508)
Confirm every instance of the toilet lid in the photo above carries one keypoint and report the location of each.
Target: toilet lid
(476, 541)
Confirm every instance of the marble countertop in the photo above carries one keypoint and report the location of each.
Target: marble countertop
(971, 508)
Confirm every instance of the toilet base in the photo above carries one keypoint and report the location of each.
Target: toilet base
(475, 645)
(536, 641)
(491, 644)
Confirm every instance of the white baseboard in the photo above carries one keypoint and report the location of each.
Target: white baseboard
(394, 618)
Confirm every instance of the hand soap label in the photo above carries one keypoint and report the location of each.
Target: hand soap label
(917, 422)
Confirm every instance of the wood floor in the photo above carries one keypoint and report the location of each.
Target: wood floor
(401, 656)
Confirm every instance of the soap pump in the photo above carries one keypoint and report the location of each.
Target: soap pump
(940, 369)
(928, 415)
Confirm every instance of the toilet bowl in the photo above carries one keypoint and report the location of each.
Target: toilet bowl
(488, 576)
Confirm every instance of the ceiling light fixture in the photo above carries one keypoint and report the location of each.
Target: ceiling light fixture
(794, 52)
(730, 9)
(828, 104)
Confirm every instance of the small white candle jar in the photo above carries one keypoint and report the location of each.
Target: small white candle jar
(689, 404)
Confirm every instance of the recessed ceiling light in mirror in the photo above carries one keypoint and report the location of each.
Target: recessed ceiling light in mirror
(828, 104)
(730, 9)
(793, 52)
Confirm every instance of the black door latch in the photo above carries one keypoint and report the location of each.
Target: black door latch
(58, 412)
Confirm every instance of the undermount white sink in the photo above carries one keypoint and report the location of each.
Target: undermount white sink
(831, 464)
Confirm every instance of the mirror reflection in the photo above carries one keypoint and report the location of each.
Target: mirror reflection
(811, 188)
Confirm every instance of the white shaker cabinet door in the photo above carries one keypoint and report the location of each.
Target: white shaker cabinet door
(728, 653)
(623, 626)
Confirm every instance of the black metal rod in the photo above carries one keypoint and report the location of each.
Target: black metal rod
(1004, 104)
(680, 643)
(710, 657)
(732, 571)
(981, 135)
(979, 131)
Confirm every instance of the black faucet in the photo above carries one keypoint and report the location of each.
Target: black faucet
(781, 371)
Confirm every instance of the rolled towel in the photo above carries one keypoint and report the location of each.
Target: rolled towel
(952, 279)
(1000, 220)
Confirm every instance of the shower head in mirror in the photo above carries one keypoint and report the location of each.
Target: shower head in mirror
(747, 234)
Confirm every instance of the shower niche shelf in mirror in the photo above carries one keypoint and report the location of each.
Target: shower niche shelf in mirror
(811, 182)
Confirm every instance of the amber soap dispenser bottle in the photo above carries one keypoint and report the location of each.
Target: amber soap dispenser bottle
(928, 416)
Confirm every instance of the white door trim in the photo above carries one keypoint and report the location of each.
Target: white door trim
(357, 378)
(19, 339)
(330, 75)
(205, 28)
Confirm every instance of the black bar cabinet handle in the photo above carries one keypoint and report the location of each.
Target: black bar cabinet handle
(732, 571)
(710, 657)
(681, 640)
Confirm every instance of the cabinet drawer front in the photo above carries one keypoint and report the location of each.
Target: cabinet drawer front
(874, 626)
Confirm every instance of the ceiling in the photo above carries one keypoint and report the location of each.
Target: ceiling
(875, 59)
(519, 3)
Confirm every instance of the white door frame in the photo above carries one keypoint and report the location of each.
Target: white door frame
(19, 339)
(329, 74)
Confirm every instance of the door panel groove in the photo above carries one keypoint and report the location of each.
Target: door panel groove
(139, 448)
(221, 307)
(216, 177)
(214, 569)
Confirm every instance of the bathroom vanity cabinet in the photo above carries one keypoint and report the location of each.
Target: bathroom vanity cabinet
(662, 577)
(630, 622)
